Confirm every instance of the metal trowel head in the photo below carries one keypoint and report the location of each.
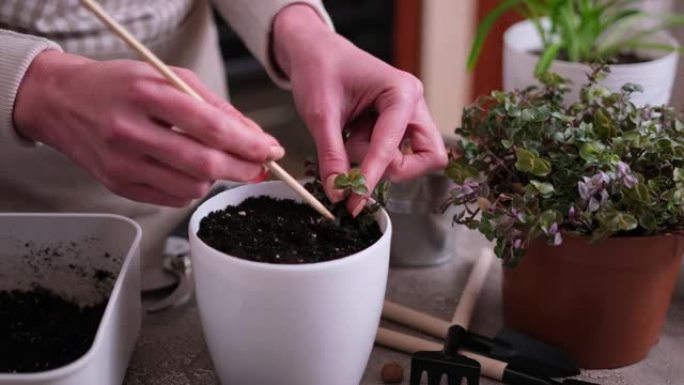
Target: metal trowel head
(522, 353)
(533, 356)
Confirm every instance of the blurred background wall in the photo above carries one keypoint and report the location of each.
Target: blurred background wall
(664, 6)
(679, 87)
(448, 27)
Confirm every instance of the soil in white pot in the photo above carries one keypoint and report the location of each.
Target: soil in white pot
(620, 58)
(282, 231)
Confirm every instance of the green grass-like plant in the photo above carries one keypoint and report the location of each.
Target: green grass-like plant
(587, 31)
(529, 167)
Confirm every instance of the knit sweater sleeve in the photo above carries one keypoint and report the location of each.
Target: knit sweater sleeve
(253, 21)
(17, 51)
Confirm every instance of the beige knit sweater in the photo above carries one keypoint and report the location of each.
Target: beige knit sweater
(63, 24)
(181, 32)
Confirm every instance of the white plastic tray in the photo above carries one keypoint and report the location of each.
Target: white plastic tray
(37, 249)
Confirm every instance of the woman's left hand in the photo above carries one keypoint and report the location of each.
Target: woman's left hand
(338, 87)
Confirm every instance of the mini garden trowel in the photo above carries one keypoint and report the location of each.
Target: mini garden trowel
(521, 352)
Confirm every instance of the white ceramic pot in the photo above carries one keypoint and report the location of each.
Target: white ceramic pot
(657, 76)
(308, 324)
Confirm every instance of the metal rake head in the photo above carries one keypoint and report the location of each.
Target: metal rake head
(448, 362)
(439, 364)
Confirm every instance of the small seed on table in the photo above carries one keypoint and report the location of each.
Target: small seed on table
(392, 373)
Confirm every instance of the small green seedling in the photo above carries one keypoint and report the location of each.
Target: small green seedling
(353, 181)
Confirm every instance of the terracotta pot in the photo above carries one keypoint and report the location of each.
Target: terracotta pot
(602, 304)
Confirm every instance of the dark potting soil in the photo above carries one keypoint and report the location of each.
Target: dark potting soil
(620, 58)
(41, 331)
(629, 58)
(266, 229)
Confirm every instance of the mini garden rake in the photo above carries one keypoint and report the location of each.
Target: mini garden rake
(429, 357)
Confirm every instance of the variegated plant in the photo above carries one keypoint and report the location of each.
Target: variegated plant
(529, 167)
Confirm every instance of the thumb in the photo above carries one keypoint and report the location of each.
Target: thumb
(332, 156)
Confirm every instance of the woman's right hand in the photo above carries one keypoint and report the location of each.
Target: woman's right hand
(115, 119)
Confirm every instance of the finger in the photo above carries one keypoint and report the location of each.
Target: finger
(187, 155)
(428, 152)
(179, 184)
(326, 130)
(121, 171)
(208, 124)
(148, 194)
(212, 98)
(261, 177)
(395, 110)
(358, 142)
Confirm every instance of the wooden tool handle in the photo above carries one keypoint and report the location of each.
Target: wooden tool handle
(420, 321)
(490, 367)
(179, 83)
(471, 292)
(438, 327)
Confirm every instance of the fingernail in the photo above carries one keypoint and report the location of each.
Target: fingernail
(261, 177)
(276, 152)
(335, 195)
(357, 210)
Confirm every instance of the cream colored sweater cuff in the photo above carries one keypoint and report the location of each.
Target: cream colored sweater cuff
(252, 20)
(17, 51)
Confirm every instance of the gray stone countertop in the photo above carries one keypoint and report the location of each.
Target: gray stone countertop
(171, 349)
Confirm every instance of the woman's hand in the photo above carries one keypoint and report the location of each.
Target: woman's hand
(339, 87)
(115, 119)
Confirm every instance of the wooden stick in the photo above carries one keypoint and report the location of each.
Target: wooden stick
(280, 173)
(471, 291)
(491, 368)
(425, 323)
(438, 327)
(176, 81)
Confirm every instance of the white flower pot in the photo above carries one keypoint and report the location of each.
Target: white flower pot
(656, 76)
(308, 324)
